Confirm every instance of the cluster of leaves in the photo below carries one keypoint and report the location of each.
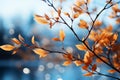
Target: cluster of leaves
(105, 48)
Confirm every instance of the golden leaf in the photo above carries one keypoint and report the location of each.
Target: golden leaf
(16, 41)
(112, 71)
(55, 39)
(81, 47)
(62, 35)
(33, 40)
(68, 56)
(7, 47)
(83, 24)
(94, 67)
(88, 74)
(40, 19)
(66, 63)
(78, 62)
(20, 38)
(40, 52)
(97, 23)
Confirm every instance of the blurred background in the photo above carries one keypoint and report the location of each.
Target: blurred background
(16, 17)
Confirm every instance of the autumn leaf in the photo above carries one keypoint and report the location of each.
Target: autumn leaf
(97, 23)
(59, 11)
(33, 40)
(40, 19)
(67, 63)
(7, 47)
(62, 35)
(81, 47)
(68, 56)
(21, 38)
(55, 39)
(16, 41)
(83, 24)
(85, 67)
(112, 71)
(40, 52)
(88, 74)
(94, 67)
(78, 62)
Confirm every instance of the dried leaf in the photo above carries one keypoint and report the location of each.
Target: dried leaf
(88, 74)
(68, 56)
(40, 19)
(78, 62)
(94, 67)
(83, 24)
(59, 11)
(85, 67)
(21, 38)
(16, 41)
(33, 40)
(7, 47)
(112, 71)
(62, 35)
(47, 17)
(55, 39)
(97, 23)
(40, 52)
(67, 14)
(67, 63)
(81, 47)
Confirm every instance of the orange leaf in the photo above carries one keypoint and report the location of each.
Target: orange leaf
(66, 63)
(40, 52)
(55, 39)
(85, 67)
(94, 67)
(77, 62)
(40, 19)
(112, 71)
(16, 41)
(97, 23)
(81, 47)
(33, 40)
(88, 74)
(7, 47)
(68, 56)
(62, 35)
(83, 24)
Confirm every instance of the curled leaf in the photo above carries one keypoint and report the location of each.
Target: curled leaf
(33, 40)
(21, 38)
(40, 52)
(7, 47)
(62, 35)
